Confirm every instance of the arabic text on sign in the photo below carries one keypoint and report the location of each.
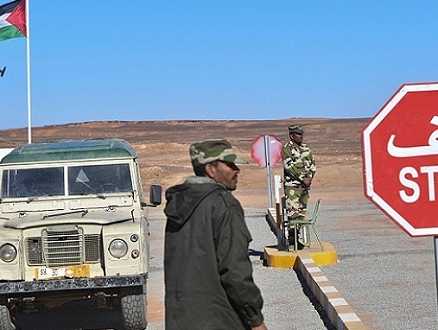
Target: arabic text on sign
(416, 151)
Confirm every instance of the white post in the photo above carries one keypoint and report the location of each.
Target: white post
(277, 180)
(267, 141)
(281, 240)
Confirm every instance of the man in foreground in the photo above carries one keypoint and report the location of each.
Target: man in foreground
(299, 170)
(208, 273)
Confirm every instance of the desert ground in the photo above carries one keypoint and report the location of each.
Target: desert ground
(162, 148)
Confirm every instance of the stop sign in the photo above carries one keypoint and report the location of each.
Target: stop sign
(400, 153)
(260, 151)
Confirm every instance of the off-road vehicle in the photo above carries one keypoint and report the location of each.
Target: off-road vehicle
(73, 226)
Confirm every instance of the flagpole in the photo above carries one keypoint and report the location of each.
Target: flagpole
(29, 118)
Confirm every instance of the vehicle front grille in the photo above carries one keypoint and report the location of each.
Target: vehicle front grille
(59, 246)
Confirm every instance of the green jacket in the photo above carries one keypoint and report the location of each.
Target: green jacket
(208, 273)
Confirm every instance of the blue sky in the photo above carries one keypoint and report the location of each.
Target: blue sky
(230, 59)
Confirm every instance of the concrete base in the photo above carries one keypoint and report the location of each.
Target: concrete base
(284, 259)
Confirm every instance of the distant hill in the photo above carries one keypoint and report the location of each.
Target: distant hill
(187, 130)
(162, 146)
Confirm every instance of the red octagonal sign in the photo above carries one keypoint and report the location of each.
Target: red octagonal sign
(400, 153)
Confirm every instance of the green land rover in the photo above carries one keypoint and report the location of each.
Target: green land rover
(73, 226)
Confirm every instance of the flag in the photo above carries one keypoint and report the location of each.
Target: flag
(13, 20)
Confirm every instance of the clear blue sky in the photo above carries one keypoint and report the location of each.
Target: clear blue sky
(231, 59)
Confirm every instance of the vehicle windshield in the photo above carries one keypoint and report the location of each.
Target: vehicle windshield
(79, 180)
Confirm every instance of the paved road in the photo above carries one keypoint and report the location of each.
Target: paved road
(386, 276)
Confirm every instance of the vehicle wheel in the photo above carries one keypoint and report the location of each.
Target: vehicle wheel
(5, 319)
(133, 303)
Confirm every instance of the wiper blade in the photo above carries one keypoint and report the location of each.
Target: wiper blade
(84, 212)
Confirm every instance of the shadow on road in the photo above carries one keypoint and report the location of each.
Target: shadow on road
(77, 315)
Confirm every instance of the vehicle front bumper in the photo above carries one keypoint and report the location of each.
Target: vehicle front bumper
(95, 283)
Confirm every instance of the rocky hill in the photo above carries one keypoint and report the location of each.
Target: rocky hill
(162, 147)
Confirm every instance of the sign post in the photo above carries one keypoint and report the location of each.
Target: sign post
(266, 152)
(400, 157)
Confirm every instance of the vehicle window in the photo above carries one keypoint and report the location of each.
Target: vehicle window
(99, 179)
(33, 182)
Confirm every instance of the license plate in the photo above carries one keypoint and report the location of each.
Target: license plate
(46, 273)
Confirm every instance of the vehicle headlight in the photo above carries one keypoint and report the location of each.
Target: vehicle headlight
(8, 252)
(118, 248)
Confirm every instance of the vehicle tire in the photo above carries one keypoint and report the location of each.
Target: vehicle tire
(5, 319)
(133, 303)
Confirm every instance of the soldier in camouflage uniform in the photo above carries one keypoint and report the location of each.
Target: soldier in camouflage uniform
(299, 170)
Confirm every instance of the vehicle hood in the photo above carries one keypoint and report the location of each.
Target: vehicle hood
(98, 217)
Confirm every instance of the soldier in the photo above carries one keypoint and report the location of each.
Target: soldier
(208, 273)
(299, 170)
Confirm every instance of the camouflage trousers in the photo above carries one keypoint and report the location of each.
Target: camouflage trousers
(296, 202)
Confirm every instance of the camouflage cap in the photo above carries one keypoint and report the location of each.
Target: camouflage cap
(295, 129)
(208, 151)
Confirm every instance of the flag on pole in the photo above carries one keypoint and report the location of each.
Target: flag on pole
(13, 20)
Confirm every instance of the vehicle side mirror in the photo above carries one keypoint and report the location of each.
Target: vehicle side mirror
(155, 195)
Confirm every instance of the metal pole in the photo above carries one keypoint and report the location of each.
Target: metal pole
(29, 119)
(267, 141)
